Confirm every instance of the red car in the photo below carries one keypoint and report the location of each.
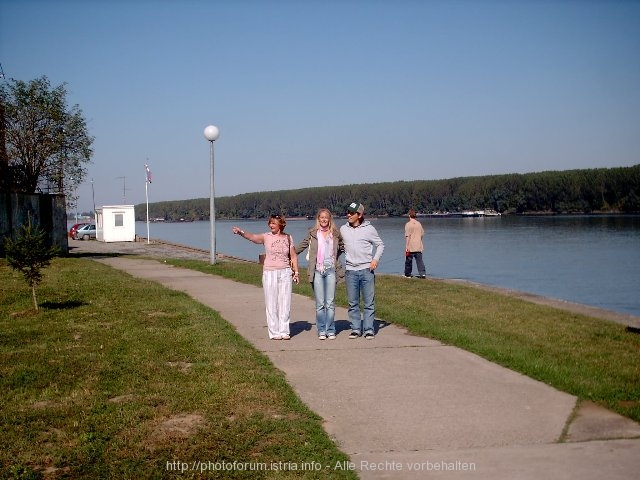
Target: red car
(72, 230)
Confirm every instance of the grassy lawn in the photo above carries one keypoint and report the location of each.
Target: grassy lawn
(593, 359)
(117, 377)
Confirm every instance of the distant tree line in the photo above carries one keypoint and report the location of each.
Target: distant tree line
(600, 190)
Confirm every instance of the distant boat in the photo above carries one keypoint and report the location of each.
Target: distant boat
(491, 213)
(476, 213)
(466, 213)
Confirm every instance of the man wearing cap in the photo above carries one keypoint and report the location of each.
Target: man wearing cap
(363, 249)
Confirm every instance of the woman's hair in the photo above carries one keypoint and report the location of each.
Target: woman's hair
(279, 219)
(412, 213)
(331, 224)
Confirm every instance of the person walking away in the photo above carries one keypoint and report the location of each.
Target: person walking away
(363, 249)
(413, 233)
(325, 246)
(277, 274)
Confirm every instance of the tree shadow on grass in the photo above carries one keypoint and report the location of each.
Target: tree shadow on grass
(96, 255)
(63, 305)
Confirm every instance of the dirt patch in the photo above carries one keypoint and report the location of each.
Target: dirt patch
(184, 367)
(23, 313)
(178, 426)
(43, 404)
(122, 398)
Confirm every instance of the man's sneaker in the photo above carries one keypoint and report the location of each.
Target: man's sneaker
(369, 336)
(422, 276)
(407, 276)
(322, 336)
(354, 334)
(331, 336)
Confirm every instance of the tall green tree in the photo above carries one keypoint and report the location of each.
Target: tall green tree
(46, 142)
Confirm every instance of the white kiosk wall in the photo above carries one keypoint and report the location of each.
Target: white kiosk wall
(115, 223)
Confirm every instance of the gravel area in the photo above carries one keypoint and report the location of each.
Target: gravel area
(155, 248)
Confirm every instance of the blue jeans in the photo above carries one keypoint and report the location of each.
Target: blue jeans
(324, 287)
(361, 282)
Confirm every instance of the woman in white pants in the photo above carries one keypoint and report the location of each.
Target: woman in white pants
(277, 276)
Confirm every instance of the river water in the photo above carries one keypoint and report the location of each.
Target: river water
(592, 260)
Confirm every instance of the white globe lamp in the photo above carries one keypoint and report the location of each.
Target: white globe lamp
(212, 133)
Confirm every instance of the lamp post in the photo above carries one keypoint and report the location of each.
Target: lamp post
(212, 133)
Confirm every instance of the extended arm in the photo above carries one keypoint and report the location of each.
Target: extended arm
(252, 237)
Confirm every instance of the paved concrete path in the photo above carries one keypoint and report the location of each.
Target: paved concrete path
(405, 407)
(408, 407)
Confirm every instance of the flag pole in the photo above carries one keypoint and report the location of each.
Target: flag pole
(146, 191)
(147, 180)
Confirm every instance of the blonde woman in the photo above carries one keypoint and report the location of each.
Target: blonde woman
(277, 276)
(325, 246)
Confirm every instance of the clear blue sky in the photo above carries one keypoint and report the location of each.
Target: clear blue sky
(326, 92)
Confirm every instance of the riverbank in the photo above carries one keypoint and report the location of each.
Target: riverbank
(435, 401)
(585, 260)
(162, 249)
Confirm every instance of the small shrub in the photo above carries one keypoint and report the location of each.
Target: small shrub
(29, 254)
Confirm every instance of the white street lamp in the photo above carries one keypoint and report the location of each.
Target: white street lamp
(212, 133)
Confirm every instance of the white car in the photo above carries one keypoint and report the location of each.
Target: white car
(85, 232)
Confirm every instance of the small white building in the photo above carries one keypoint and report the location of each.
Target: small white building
(115, 223)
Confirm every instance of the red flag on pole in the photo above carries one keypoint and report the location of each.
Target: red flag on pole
(148, 173)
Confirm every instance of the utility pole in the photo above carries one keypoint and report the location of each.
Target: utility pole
(93, 194)
(124, 189)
